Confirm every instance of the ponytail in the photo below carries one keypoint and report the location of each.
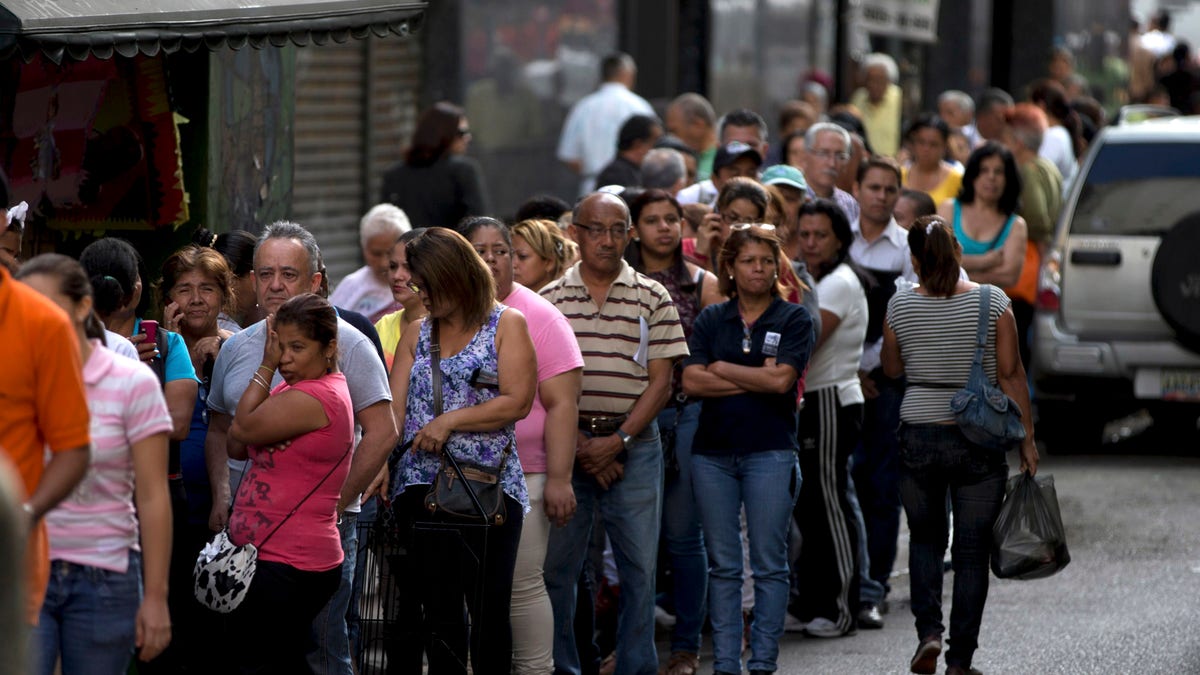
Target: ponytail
(94, 329)
(938, 255)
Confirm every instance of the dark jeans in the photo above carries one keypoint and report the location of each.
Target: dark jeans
(877, 475)
(452, 565)
(937, 459)
(270, 633)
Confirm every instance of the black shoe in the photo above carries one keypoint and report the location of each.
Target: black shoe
(869, 617)
(924, 662)
(959, 670)
(762, 672)
(721, 672)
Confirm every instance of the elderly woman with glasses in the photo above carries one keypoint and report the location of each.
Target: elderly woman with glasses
(746, 356)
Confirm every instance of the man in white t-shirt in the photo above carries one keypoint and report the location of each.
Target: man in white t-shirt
(589, 136)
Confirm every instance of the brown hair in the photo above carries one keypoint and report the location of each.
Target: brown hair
(879, 162)
(451, 272)
(733, 246)
(437, 129)
(938, 255)
(547, 241)
(749, 189)
(312, 314)
(206, 261)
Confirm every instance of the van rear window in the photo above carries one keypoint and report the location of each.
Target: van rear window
(1138, 189)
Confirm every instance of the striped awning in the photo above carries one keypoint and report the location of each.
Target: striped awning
(77, 29)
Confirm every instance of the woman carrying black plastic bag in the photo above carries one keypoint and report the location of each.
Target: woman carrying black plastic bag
(929, 336)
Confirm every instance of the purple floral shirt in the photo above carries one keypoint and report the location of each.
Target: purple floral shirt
(479, 447)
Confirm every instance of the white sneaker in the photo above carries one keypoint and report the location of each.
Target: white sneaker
(663, 619)
(792, 625)
(823, 628)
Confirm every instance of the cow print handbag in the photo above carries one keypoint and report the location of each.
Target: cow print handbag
(223, 570)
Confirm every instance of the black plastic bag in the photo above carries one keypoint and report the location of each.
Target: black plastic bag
(1028, 539)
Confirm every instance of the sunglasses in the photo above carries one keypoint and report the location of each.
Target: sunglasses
(765, 227)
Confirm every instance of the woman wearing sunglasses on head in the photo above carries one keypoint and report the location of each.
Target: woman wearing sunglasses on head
(746, 355)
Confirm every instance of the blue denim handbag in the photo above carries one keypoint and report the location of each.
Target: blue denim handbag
(986, 415)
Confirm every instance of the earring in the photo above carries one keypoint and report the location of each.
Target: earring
(731, 277)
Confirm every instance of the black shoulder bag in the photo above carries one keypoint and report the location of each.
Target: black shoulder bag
(463, 491)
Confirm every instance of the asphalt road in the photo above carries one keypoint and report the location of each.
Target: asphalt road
(1129, 602)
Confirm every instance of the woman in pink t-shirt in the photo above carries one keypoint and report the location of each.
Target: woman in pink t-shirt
(118, 517)
(298, 439)
(545, 444)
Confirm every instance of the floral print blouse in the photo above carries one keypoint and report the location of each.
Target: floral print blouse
(478, 447)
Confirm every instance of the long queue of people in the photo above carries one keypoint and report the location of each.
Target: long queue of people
(755, 370)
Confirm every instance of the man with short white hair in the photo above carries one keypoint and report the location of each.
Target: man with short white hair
(664, 169)
(958, 110)
(826, 150)
(367, 290)
(880, 101)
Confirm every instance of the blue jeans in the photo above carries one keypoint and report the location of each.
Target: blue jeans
(681, 529)
(631, 511)
(936, 459)
(88, 617)
(330, 632)
(876, 474)
(726, 484)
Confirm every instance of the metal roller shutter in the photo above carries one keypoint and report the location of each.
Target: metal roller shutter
(355, 108)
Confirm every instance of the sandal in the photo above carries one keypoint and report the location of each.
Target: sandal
(681, 663)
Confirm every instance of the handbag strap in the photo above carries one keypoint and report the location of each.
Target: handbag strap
(985, 306)
(435, 364)
(301, 503)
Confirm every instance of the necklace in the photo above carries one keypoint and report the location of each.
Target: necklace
(746, 335)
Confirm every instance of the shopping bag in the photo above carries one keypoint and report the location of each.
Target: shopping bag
(1028, 539)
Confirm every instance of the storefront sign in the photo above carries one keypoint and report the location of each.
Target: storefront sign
(914, 20)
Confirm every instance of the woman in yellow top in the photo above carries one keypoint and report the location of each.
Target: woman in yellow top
(928, 138)
(392, 326)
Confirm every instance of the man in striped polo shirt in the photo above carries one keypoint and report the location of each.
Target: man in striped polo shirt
(630, 336)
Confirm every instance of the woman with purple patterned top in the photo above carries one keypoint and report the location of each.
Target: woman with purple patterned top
(476, 337)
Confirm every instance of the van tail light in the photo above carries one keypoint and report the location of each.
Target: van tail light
(1049, 282)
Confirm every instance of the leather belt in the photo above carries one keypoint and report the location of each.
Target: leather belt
(602, 425)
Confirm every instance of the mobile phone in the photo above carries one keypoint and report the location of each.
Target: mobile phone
(150, 328)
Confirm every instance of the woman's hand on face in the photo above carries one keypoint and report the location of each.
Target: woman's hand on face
(272, 349)
(709, 234)
(432, 436)
(172, 314)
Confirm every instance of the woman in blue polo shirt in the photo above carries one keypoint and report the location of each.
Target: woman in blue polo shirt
(746, 355)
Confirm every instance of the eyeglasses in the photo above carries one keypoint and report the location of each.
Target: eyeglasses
(464, 132)
(829, 154)
(765, 227)
(598, 233)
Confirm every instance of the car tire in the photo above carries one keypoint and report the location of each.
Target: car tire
(1175, 280)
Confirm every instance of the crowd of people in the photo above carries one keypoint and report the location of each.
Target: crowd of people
(736, 343)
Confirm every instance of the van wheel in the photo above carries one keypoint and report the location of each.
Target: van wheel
(1175, 280)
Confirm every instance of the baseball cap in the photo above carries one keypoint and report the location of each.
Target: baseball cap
(783, 174)
(732, 151)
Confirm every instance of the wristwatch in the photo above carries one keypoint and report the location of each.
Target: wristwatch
(625, 438)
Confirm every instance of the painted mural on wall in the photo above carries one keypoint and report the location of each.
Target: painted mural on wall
(94, 144)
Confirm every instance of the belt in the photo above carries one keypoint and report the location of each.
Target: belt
(602, 425)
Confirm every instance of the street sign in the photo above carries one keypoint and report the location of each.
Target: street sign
(914, 20)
